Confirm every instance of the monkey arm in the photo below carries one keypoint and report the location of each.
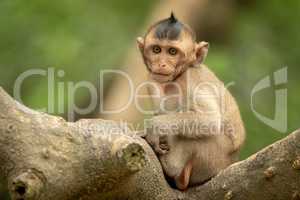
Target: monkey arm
(187, 124)
(195, 125)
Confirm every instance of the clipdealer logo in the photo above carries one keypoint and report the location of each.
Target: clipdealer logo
(279, 122)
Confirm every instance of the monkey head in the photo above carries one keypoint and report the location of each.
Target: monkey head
(169, 48)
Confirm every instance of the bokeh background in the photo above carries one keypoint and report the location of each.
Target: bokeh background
(249, 40)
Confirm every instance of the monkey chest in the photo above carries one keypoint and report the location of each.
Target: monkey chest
(169, 98)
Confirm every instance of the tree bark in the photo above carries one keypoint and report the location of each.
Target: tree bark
(44, 157)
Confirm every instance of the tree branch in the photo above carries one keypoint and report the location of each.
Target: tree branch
(45, 157)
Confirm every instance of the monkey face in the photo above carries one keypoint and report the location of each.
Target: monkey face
(166, 59)
(163, 58)
(169, 48)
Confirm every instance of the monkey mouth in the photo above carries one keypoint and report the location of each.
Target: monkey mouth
(161, 77)
(161, 74)
(164, 75)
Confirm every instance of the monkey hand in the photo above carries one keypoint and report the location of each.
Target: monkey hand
(158, 143)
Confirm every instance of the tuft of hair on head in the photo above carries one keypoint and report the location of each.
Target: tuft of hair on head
(169, 28)
(172, 18)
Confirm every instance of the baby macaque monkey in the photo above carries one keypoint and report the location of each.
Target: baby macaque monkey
(197, 129)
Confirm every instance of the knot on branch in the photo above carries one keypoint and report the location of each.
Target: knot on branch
(296, 163)
(270, 172)
(26, 186)
(134, 156)
(130, 154)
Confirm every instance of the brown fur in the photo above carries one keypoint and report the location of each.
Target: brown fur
(193, 97)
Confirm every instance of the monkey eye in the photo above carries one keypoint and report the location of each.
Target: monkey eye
(172, 51)
(156, 49)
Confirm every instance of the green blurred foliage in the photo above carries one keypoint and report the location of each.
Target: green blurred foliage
(81, 37)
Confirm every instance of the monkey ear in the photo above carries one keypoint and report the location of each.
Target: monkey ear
(201, 52)
(141, 43)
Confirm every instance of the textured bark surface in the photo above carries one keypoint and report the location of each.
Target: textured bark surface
(44, 157)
